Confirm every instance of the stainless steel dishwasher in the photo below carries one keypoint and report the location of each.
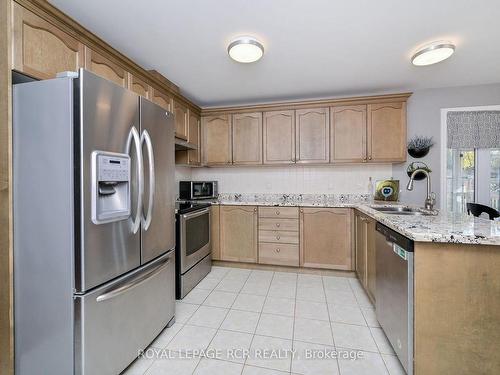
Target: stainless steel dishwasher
(394, 292)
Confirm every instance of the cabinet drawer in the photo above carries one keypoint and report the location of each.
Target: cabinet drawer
(278, 236)
(279, 254)
(279, 212)
(267, 223)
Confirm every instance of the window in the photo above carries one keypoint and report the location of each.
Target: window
(472, 175)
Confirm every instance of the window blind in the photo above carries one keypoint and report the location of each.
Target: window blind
(473, 129)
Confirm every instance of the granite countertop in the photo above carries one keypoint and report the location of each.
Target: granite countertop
(438, 227)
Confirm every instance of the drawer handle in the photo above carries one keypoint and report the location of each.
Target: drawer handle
(278, 250)
(132, 284)
(278, 237)
(278, 225)
(277, 212)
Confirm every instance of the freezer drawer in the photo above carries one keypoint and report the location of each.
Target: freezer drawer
(120, 318)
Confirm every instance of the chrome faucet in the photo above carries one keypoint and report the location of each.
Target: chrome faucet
(430, 201)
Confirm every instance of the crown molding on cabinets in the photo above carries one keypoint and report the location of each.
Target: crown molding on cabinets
(282, 106)
(54, 16)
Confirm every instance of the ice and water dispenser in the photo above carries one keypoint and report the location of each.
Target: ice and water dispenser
(110, 187)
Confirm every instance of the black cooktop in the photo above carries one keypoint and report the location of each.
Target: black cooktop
(185, 207)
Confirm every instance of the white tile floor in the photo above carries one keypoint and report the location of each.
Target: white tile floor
(254, 310)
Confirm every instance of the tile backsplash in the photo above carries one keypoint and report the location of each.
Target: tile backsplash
(290, 179)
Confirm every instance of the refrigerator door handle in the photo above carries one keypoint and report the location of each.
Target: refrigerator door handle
(133, 135)
(146, 220)
(133, 283)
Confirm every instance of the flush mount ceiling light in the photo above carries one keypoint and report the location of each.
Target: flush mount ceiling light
(433, 53)
(245, 49)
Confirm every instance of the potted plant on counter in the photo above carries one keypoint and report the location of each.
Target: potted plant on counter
(419, 146)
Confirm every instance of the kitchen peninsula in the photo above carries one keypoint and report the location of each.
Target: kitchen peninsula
(456, 262)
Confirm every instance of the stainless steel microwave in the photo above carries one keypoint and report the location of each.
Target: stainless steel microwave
(193, 190)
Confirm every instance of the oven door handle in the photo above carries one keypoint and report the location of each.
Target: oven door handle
(195, 214)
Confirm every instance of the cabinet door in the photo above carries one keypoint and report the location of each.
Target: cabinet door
(214, 231)
(104, 67)
(162, 99)
(325, 238)
(370, 258)
(238, 233)
(387, 132)
(194, 156)
(279, 137)
(217, 140)
(140, 87)
(191, 157)
(40, 49)
(312, 135)
(360, 245)
(348, 134)
(181, 120)
(247, 138)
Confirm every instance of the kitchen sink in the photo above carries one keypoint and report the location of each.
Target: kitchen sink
(402, 211)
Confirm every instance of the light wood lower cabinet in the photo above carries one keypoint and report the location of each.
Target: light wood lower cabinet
(247, 138)
(361, 229)
(40, 49)
(279, 254)
(215, 231)
(238, 233)
(217, 147)
(279, 236)
(279, 212)
(365, 252)
(270, 223)
(326, 238)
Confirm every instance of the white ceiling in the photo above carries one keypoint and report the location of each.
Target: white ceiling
(313, 48)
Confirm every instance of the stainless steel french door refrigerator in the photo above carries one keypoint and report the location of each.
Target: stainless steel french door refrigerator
(94, 229)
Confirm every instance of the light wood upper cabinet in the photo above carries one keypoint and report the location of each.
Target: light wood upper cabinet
(279, 137)
(191, 157)
(326, 238)
(104, 67)
(387, 132)
(217, 148)
(247, 138)
(181, 120)
(312, 135)
(348, 134)
(140, 87)
(194, 133)
(238, 233)
(215, 231)
(40, 49)
(162, 99)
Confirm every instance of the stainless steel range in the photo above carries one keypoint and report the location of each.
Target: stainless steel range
(193, 252)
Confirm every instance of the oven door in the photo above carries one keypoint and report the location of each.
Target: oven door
(195, 238)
